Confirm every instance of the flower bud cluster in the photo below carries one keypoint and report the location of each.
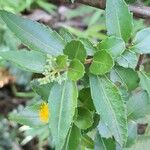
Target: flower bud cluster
(52, 72)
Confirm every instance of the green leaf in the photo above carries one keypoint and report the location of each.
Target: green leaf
(132, 133)
(124, 92)
(128, 59)
(90, 49)
(142, 143)
(28, 116)
(41, 132)
(138, 105)
(32, 61)
(62, 104)
(113, 45)
(126, 76)
(75, 49)
(84, 118)
(87, 142)
(42, 90)
(147, 124)
(141, 42)
(103, 144)
(102, 63)
(86, 99)
(76, 70)
(66, 35)
(110, 106)
(49, 7)
(145, 82)
(61, 61)
(73, 139)
(96, 119)
(104, 130)
(34, 35)
(118, 19)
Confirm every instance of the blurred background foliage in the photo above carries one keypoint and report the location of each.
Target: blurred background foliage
(15, 90)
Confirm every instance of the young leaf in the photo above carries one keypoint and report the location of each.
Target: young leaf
(103, 144)
(110, 106)
(128, 59)
(34, 35)
(138, 105)
(84, 119)
(42, 90)
(141, 42)
(73, 139)
(62, 104)
(32, 61)
(102, 63)
(61, 61)
(113, 45)
(126, 76)
(76, 70)
(145, 82)
(118, 19)
(90, 49)
(75, 49)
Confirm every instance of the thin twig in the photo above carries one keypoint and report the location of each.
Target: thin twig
(88, 61)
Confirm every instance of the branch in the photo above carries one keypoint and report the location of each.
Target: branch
(138, 11)
(140, 61)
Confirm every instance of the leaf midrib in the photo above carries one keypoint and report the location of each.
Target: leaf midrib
(103, 143)
(76, 54)
(109, 103)
(67, 143)
(115, 12)
(61, 107)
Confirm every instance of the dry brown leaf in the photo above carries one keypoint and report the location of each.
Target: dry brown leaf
(5, 77)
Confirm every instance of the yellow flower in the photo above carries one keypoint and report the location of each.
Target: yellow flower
(44, 112)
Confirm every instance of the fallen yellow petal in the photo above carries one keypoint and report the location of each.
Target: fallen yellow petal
(44, 112)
